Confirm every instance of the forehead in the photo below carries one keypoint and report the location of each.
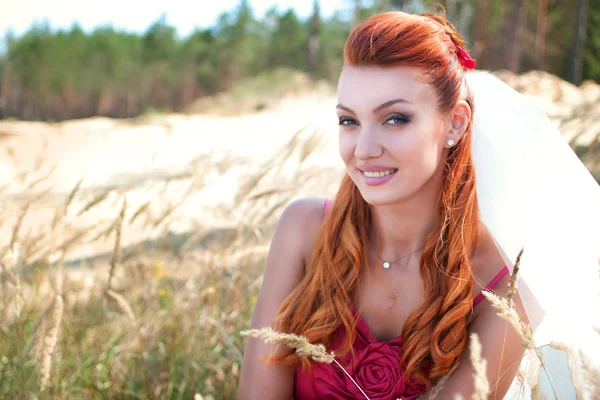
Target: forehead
(368, 87)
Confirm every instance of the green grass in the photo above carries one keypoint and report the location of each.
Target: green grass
(170, 352)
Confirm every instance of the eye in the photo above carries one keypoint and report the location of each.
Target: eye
(397, 119)
(347, 121)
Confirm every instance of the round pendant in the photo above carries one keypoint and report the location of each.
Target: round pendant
(386, 265)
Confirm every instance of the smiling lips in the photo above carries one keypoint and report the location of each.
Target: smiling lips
(376, 175)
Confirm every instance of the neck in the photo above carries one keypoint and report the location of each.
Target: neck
(401, 228)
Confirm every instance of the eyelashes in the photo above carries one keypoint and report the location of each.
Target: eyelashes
(402, 119)
(347, 121)
(397, 119)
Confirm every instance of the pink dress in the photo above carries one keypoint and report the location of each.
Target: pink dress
(376, 367)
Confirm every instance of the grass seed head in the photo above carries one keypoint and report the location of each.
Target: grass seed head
(300, 344)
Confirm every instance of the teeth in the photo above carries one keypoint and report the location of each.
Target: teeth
(378, 174)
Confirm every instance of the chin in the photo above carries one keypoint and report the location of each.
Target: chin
(380, 195)
(381, 199)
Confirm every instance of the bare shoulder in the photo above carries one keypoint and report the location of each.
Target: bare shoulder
(285, 268)
(292, 242)
(301, 221)
(290, 248)
(487, 262)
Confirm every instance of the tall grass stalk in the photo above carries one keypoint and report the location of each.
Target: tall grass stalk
(302, 347)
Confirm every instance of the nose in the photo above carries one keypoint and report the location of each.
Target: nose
(367, 145)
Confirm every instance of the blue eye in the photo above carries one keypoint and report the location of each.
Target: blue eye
(397, 119)
(347, 121)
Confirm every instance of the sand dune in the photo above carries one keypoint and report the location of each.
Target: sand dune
(155, 159)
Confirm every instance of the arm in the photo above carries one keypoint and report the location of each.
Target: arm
(290, 248)
(500, 344)
(501, 348)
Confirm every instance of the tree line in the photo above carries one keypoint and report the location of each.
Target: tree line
(48, 74)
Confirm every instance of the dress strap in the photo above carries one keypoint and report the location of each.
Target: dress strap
(326, 206)
(491, 285)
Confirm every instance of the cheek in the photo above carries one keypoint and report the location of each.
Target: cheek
(425, 158)
(417, 154)
(346, 146)
(405, 147)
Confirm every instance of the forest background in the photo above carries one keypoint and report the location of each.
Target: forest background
(57, 74)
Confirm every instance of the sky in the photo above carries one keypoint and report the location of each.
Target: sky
(137, 15)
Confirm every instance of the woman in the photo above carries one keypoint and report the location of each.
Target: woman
(389, 275)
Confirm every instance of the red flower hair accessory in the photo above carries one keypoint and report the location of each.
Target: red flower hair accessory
(464, 58)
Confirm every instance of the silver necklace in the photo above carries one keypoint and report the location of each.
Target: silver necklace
(388, 264)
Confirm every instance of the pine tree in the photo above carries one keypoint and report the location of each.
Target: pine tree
(591, 51)
(579, 39)
(313, 40)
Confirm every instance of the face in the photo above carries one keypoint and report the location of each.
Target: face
(392, 136)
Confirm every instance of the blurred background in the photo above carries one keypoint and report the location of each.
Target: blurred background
(70, 60)
(147, 150)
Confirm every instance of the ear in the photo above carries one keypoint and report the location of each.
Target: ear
(459, 120)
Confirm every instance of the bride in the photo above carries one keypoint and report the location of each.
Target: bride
(449, 175)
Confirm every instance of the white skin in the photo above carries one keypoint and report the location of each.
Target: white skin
(389, 118)
(409, 136)
(404, 210)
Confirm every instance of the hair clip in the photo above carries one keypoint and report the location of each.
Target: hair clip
(464, 58)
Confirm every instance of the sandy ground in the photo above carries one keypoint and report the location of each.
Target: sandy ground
(155, 159)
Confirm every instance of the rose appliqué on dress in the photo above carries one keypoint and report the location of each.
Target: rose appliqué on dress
(376, 369)
(378, 372)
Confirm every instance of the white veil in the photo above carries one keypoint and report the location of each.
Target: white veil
(535, 193)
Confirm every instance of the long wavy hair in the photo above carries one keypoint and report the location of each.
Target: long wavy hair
(435, 333)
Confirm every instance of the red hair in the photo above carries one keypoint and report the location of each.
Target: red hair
(435, 334)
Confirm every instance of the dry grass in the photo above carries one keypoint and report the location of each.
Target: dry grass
(510, 314)
(50, 341)
(482, 386)
(302, 347)
(158, 320)
(300, 344)
(514, 277)
(116, 257)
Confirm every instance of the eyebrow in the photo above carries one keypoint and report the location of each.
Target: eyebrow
(378, 108)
